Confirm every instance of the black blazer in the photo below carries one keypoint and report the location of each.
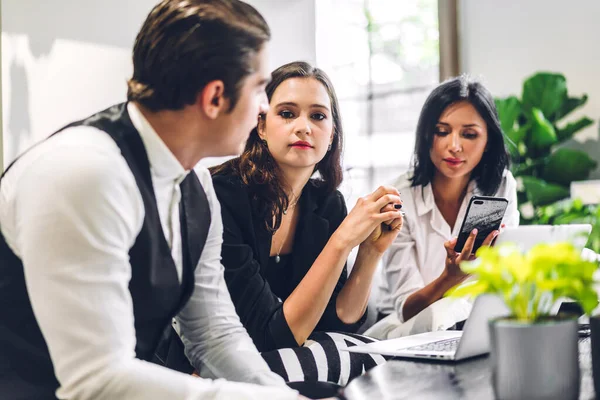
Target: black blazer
(245, 256)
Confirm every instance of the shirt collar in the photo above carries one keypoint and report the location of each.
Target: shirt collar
(163, 162)
(424, 197)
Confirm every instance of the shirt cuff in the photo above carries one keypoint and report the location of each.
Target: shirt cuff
(400, 312)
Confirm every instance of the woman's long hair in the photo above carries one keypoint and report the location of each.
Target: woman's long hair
(258, 169)
(488, 173)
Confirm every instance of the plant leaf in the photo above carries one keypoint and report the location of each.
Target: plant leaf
(468, 289)
(543, 134)
(567, 165)
(509, 110)
(569, 105)
(588, 299)
(545, 91)
(529, 167)
(572, 128)
(531, 282)
(541, 193)
(514, 141)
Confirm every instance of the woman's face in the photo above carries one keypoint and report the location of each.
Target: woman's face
(459, 140)
(298, 127)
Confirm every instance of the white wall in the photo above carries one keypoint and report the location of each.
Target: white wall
(64, 59)
(292, 24)
(506, 41)
(61, 62)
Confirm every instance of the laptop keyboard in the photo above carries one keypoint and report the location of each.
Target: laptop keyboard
(449, 345)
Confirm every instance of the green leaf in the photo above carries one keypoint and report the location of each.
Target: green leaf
(508, 111)
(468, 289)
(514, 141)
(529, 167)
(541, 193)
(567, 165)
(545, 91)
(573, 127)
(542, 131)
(569, 105)
(530, 282)
(588, 299)
(566, 219)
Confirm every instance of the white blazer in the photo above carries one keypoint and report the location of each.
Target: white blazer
(417, 256)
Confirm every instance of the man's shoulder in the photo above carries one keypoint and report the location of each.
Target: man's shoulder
(81, 140)
(69, 158)
(70, 179)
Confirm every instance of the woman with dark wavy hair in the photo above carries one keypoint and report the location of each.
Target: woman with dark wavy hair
(459, 152)
(287, 233)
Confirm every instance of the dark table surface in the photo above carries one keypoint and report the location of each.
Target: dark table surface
(424, 380)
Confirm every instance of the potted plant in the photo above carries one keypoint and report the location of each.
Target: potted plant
(573, 211)
(536, 131)
(534, 355)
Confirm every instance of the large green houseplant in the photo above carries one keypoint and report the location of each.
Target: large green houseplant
(530, 345)
(573, 211)
(535, 130)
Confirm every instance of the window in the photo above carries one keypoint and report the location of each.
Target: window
(383, 58)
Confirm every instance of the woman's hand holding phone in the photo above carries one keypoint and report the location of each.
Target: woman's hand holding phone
(452, 270)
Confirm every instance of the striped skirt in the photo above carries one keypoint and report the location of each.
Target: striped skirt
(320, 359)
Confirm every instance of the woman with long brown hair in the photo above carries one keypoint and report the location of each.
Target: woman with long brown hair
(287, 233)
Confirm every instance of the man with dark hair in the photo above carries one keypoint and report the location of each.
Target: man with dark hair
(109, 229)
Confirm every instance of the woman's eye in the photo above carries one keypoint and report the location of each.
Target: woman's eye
(470, 135)
(440, 132)
(286, 114)
(319, 116)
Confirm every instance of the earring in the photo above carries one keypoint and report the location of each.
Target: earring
(329, 147)
(264, 141)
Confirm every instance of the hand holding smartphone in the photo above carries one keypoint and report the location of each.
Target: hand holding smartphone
(485, 214)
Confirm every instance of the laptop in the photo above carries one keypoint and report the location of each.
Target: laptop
(472, 341)
(527, 236)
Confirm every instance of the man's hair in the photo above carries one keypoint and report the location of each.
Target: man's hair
(185, 44)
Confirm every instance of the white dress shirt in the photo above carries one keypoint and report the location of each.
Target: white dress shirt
(417, 256)
(70, 210)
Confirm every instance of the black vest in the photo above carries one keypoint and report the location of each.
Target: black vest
(26, 371)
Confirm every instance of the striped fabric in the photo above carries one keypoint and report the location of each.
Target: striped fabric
(320, 359)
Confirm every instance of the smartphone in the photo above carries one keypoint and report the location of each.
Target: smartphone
(485, 214)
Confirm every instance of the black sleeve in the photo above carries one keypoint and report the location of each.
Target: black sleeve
(260, 311)
(334, 209)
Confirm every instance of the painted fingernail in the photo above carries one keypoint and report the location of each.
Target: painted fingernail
(474, 232)
(397, 206)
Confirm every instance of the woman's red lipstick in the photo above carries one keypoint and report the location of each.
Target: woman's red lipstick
(301, 144)
(453, 161)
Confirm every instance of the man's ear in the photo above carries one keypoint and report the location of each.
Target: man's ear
(211, 99)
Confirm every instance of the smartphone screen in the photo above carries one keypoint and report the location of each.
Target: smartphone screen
(483, 213)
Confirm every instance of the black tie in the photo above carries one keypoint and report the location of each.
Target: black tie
(194, 215)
